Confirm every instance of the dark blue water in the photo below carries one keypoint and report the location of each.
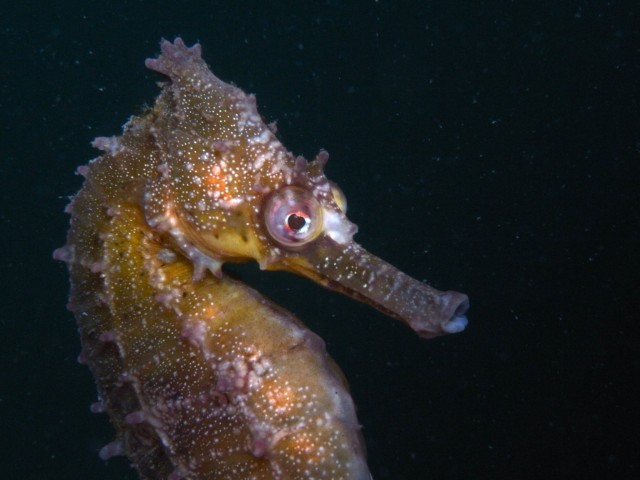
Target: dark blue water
(488, 147)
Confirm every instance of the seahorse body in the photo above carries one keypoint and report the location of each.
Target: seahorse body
(202, 377)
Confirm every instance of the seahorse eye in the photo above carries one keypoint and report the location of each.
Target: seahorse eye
(293, 216)
(338, 197)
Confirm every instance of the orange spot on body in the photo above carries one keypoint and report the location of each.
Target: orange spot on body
(216, 180)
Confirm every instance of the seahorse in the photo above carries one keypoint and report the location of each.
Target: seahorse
(201, 376)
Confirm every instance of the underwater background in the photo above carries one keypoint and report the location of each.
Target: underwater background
(487, 147)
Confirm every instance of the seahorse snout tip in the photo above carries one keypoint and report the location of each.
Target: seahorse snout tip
(447, 316)
(456, 305)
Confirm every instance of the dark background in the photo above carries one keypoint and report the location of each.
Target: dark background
(488, 147)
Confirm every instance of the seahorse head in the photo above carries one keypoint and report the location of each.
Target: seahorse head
(227, 190)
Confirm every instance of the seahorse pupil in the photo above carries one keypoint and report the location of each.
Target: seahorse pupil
(296, 222)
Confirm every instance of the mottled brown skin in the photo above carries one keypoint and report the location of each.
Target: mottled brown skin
(201, 376)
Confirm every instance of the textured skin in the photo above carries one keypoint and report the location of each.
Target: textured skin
(201, 376)
(208, 379)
